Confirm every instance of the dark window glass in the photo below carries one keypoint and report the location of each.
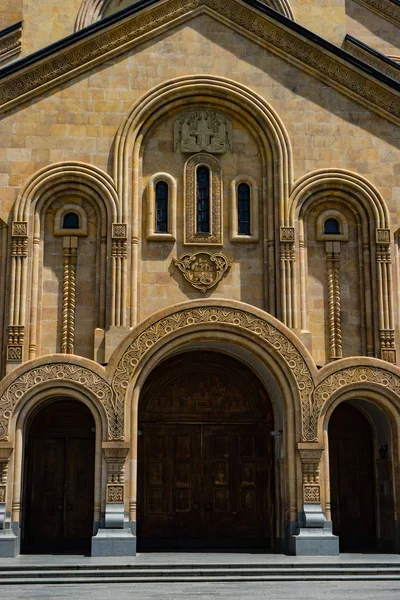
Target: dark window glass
(71, 221)
(243, 204)
(331, 226)
(203, 200)
(161, 207)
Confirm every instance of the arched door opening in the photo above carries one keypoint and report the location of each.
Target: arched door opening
(59, 479)
(206, 466)
(352, 477)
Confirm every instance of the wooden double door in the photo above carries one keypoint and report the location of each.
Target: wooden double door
(352, 479)
(204, 485)
(58, 507)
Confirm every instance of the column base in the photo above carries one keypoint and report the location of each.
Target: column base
(114, 542)
(313, 541)
(9, 544)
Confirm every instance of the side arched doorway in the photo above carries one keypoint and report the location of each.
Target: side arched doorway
(205, 454)
(59, 479)
(352, 477)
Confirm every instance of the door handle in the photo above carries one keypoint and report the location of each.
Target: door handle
(59, 507)
(69, 506)
(196, 506)
(208, 506)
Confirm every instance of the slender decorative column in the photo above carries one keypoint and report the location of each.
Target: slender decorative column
(19, 254)
(332, 250)
(70, 250)
(385, 300)
(118, 274)
(288, 287)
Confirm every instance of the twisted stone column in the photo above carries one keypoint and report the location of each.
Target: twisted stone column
(70, 248)
(334, 322)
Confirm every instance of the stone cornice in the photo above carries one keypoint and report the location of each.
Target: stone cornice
(378, 61)
(118, 33)
(10, 42)
(388, 9)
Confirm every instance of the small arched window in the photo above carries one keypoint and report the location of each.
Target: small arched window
(243, 207)
(203, 199)
(161, 207)
(332, 227)
(71, 221)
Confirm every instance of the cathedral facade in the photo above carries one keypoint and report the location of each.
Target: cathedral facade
(200, 267)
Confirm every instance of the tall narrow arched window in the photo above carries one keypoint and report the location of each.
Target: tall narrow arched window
(161, 207)
(243, 207)
(203, 199)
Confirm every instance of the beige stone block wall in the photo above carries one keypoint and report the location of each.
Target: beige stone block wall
(46, 21)
(80, 119)
(326, 18)
(162, 284)
(373, 30)
(10, 12)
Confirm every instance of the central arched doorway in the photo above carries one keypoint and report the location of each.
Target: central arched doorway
(206, 467)
(59, 479)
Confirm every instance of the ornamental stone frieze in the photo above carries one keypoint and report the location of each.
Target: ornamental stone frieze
(203, 270)
(119, 37)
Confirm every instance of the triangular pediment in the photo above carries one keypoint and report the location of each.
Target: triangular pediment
(119, 33)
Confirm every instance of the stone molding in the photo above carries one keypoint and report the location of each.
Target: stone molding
(384, 8)
(378, 61)
(10, 43)
(56, 373)
(348, 376)
(290, 45)
(91, 11)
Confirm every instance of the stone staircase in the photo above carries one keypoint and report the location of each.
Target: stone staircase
(193, 572)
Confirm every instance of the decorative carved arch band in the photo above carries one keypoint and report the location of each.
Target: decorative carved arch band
(57, 373)
(270, 333)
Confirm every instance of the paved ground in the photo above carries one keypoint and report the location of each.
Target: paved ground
(197, 558)
(347, 590)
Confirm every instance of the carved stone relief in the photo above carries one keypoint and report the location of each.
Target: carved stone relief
(203, 131)
(346, 377)
(203, 270)
(56, 373)
(238, 318)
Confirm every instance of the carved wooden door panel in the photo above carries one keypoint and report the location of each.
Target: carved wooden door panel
(169, 485)
(237, 486)
(45, 505)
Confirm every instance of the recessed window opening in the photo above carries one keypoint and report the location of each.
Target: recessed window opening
(161, 207)
(243, 205)
(203, 199)
(332, 226)
(71, 221)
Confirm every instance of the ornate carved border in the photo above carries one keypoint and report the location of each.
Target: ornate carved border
(218, 315)
(62, 372)
(371, 58)
(384, 8)
(215, 235)
(10, 43)
(114, 39)
(338, 380)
